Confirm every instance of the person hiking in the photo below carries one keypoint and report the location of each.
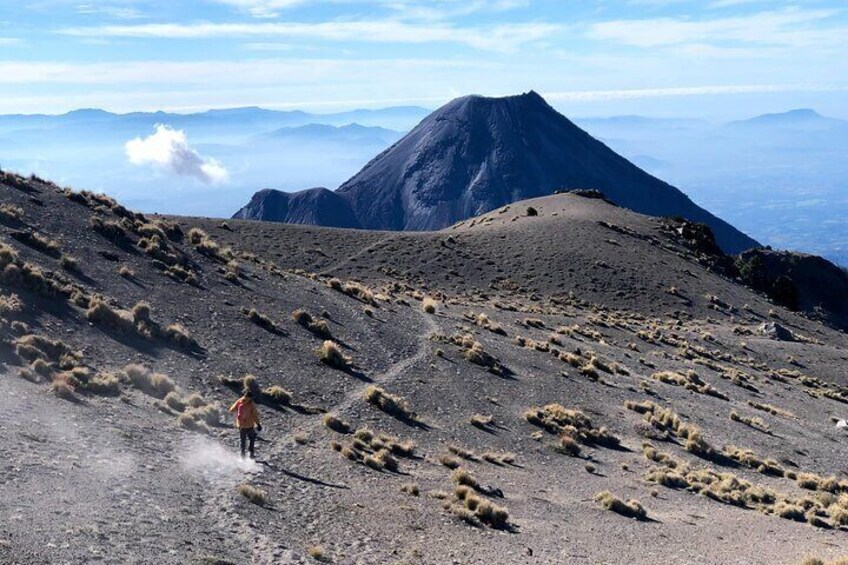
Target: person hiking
(247, 421)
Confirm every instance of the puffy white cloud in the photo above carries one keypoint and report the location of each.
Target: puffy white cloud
(168, 150)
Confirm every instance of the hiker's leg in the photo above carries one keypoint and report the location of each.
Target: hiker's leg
(242, 439)
(252, 436)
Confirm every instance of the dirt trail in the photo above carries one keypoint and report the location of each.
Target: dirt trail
(223, 509)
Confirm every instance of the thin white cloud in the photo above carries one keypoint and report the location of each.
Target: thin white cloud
(502, 37)
(791, 27)
(9, 41)
(168, 150)
(261, 8)
(624, 94)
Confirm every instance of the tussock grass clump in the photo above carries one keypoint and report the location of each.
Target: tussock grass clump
(330, 353)
(773, 410)
(178, 335)
(485, 322)
(498, 458)
(112, 230)
(668, 422)
(278, 395)
(464, 477)
(389, 403)
(353, 289)
(429, 305)
(631, 508)
(689, 381)
(475, 510)
(11, 213)
(474, 352)
(462, 452)
(449, 461)
(11, 304)
(174, 401)
(567, 445)
(752, 460)
(336, 424)
(261, 320)
(317, 553)
(317, 326)
(104, 384)
(753, 422)
(205, 245)
(411, 489)
(63, 388)
(534, 323)
(32, 347)
(102, 314)
(126, 272)
(253, 494)
(481, 421)
(37, 241)
(561, 421)
(153, 384)
(70, 263)
(378, 451)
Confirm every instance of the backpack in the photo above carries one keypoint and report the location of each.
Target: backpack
(241, 413)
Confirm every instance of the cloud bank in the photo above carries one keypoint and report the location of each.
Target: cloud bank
(169, 151)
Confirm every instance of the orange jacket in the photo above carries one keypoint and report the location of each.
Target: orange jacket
(247, 416)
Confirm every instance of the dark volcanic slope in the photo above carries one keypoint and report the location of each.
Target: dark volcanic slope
(476, 154)
(316, 206)
(586, 305)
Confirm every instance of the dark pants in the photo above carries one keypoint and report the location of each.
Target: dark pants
(247, 436)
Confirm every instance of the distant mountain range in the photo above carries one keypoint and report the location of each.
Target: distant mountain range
(476, 154)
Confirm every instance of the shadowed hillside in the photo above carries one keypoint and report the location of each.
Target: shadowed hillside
(554, 381)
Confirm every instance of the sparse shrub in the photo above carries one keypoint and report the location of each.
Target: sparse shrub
(261, 320)
(37, 241)
(63, 388)
(568, 446)
(631, 508)
(481, 421)
(10, 304)
(126, 272)
(11, 213)
(559, 420)
(462, 476)
(532, 211)
(253, 494)
(449, 461)
(317, 326)
(106, 384)
(70, 263)
(154, 384)
(460, 451)
(316, 552)
(429, 305)
(277, 395)
(110, 229)
(175, 401)
(410, 488)
(330, 353)
(753, 422)
(179, 336)
(336, 424)
(389, 403)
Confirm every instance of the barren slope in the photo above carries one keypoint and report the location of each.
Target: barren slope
(588, 313)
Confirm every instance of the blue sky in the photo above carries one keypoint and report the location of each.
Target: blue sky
(700, 58)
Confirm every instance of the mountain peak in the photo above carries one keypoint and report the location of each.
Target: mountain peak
(478, 153)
